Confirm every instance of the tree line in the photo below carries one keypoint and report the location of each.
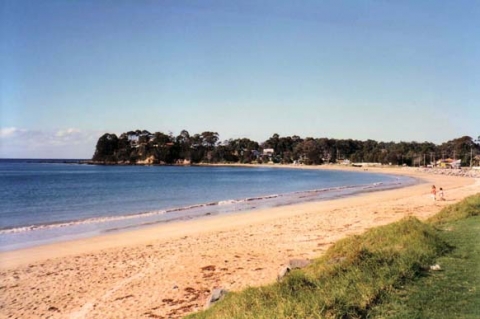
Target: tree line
(141, 146)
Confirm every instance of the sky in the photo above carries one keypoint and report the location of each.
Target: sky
(385, 70)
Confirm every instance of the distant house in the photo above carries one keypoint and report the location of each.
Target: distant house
(444, 163)
(456, 164)
(448, 163)
(363, 164)
(268, 151)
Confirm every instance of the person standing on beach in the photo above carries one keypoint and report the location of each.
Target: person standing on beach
(440, 194)
(434, 193)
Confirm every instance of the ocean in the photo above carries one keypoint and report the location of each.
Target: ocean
(45, 201)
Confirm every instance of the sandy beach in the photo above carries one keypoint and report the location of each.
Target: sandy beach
(168, 271)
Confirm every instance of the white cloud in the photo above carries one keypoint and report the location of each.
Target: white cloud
(68, 132)
(64, 143)
(9, 131)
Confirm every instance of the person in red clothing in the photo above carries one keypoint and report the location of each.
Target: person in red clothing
(434, 192)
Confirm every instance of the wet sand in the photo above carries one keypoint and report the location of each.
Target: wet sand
(167, 271)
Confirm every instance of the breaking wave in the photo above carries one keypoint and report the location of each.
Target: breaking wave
(299, 195)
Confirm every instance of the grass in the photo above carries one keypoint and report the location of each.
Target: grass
(453, 292)
(468, 207)
(373, 275)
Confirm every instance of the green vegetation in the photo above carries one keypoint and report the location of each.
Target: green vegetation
(159, 148)
(454, 291)
(468, 207)
(346, 281)
(383, 273)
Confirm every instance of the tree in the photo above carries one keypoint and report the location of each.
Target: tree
(241, 149)
(205, 147)
(310, 151)
(107, 146)
(197, 148)
(208, 143)
(184, 145)
(124, 149)
(272, 142)
(161, 148)
(209, 139)
(459, 148)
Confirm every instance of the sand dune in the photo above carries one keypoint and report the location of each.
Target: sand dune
(167, 271)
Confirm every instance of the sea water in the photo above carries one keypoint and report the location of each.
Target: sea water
(50, 201)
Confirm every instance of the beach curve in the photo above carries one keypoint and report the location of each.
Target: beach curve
(168, 270)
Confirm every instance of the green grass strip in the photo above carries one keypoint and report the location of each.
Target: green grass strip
(452, 292)
(346, 281)
(468, 207)
(356, 274)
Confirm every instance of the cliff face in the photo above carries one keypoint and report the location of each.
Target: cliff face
(148, 161)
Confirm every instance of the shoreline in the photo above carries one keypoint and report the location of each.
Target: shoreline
(112, 237)
(168, 270)
(40, 234)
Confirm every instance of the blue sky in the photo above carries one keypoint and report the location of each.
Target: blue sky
(382, 70)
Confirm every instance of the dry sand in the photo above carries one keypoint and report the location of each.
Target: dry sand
(168, 270)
